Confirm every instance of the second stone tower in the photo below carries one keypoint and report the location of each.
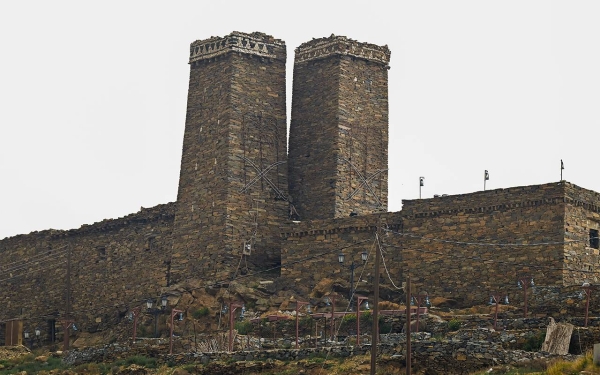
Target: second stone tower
(338, 145)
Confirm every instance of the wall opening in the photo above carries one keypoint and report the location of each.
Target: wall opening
(594, 240)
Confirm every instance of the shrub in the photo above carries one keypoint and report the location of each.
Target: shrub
(454, 324)
(243, 327)
(201, 312)
(349, 318)
(367, 316)
(534, 342)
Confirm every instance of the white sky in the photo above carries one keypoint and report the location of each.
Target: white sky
(94, 95)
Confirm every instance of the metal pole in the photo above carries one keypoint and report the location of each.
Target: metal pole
(135, 313)
(230, 327)
(525, 290)
(588, 292)
(332, 316)
(173, 312)
(155, 313)
(375, 333)
(418, 308)
(296, 324)
(316, 334)
(351, 283)
(66, 324)
(171, 335)
(358, 322)
(496, 298)
(408, 348)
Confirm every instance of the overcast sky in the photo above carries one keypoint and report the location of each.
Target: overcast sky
(94, 95)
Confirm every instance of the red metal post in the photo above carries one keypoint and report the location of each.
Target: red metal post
(525, 282)
(359, 300)
(136, 312)
(232, 307)
(173, 313)
(298, 304)
(408, 336)
(587, 288)
(316, 334)
(418, 306)
(332, 316)
(496, 298)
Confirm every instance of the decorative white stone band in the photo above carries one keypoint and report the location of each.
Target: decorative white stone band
(254, 44)
(341, 45)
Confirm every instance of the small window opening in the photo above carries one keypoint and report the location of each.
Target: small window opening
(594, 240)
(150, 244)
(101, 252)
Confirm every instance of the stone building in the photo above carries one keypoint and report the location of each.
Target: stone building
(242, 196)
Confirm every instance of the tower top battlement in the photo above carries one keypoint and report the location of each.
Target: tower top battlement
(340, 45)
(256, 43)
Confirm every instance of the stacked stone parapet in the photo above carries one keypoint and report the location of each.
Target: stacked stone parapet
(257, 44)
(340, 45)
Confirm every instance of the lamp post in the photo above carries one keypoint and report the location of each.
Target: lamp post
(27, 337)
(232, 307)
(523, 283)
(495, 299)
(180, 318)
(156, 311)
(420, 298)
(134, 314)
(587, 289)
(359, 300)
(298, 305)
(353, 266)
(38, 332)
(331, 300)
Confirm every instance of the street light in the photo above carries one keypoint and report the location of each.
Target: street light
(156, 311)
(38, 333)
(27, 337)
(359, 300)
(331, 301)
(420, 298)
(523, 283)
(134, 314)
(179, 313)
(232, 307)
(364, 255)
(587, 289)
(495, 299)
(298, 305)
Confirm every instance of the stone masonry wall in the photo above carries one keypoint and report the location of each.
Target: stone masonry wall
(339, 128)
(362, 148)
(469, 257)
(115, 264)
(310, 254)
(582, 256)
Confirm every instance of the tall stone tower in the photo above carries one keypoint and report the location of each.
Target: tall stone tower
(233, 179)
(339, 129)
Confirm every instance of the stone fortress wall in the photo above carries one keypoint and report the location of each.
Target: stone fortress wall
(242, 196)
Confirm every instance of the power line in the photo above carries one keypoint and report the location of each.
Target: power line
(39, 269)
(30, 261)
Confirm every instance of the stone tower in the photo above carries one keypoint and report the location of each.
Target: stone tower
(339, 129)
(233, 179)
